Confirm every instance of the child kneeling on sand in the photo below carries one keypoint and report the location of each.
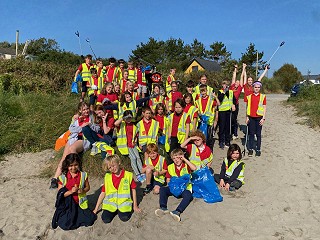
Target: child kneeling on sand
(231, 176)
(178, 168)
(118, 192)
(155, 169)
(72, 203)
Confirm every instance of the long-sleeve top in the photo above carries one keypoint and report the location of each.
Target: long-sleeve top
(235, 173)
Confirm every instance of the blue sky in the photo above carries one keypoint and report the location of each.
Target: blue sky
(116, 27)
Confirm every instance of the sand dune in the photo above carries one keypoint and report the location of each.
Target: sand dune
(280, 199)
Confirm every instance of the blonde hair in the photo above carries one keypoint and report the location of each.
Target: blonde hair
(110, 159)
(176, 152)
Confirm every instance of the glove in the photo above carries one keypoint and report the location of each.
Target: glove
(94, 87)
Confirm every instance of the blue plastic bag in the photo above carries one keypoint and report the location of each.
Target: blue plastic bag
(74, 87)
(79, 78)
(203, 127)
(162, 139)
(178, 184)
(204, 186)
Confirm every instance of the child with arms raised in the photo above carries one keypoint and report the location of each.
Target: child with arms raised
(118, 193)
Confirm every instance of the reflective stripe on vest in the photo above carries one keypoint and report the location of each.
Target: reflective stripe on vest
(191, 112)
(103, 147)
(100, 86)
(118, 199)
(197, 89)
(260, 109)
(158, 167)
(181, 126)
(226, 103)
(114, 74)
(232, 167)
(183, 171)
(148, 137)
(83, 201)
(132, 75)
(85, 73)
(122, 138)
(168, 85)
(155, 101)
(132, 107)
(195, 156)
(209, 111)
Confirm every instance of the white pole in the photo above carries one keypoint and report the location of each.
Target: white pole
(17, 42)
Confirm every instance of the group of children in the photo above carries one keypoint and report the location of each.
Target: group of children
(164, 143)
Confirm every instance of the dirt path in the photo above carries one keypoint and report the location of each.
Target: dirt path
(280, 199)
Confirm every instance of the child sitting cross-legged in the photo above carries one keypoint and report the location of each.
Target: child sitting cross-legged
(178, 168)
(155, 169)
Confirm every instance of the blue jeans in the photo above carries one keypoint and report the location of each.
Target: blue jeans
(93, 137)
(165, 193)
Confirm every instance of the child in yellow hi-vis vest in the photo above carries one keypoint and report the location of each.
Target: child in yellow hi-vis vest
(155, 168)
(231, 176)
(73, 185)
(118, 193)
(178, 168)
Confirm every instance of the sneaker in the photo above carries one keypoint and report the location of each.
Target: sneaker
(143, 177)
(161, 211)
(175, 215)
(232, 189)
(54, 183)
(250, 153)
(94, 150)
(258, 153)
(227, 145)
(147, 190)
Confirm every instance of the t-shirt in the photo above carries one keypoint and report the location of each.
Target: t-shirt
(254, 104)
(116, 181)
(71, 181)
(204, 154)
(175, 123)
(88, 66)
(174, 97)
(110, 72)
(146, 125)
(160, 120)
(177, 170)
(236, 92)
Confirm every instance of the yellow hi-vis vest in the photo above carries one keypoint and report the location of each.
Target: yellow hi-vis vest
(85, 73)
(158, 167)
(209, 110)
(144, 80)
(83, 201)
(191, 112)
(232, 167)
(132, 107)
(150, 136)
(118, 199)
(195, 156)
(122, 138)
(168, 85)
(100, 86)
(119, 74)
(102, 146)
(226, 103)
(166, 132)
(183, 171)
(260, 110)
(132, 75)
(209, 90)
(155, 101)
(114, 74)
(182, 131)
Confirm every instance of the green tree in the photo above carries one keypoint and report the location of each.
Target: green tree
(42, 45)
(287, 75)
(196, 49)
(250, 58)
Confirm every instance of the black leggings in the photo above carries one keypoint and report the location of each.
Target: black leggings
(108, 216)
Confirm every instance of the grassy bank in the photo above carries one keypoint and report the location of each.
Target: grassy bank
(307, 103)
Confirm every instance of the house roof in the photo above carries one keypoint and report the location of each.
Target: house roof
(208, 65)
(311, 77)
(7, 51)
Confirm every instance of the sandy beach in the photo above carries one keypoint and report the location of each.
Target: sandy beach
(280, 199)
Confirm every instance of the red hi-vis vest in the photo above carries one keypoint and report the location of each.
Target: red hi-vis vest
(260, 109)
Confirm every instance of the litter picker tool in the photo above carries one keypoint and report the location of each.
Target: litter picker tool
(88, 41)
(281, 44)
(246, 142)
(78, 35)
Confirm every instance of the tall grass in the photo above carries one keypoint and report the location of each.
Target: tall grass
(307, 103)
